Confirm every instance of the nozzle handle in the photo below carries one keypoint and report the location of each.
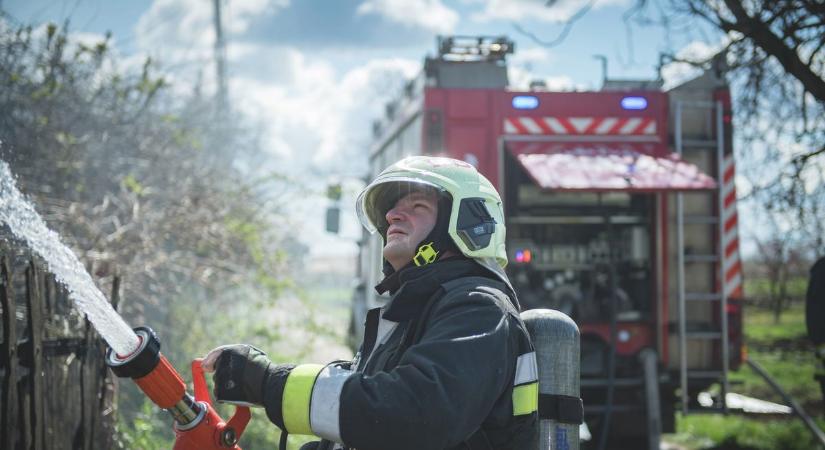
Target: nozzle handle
(238, 421)
(234, 428)
(199, 380)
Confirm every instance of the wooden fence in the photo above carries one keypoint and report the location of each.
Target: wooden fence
(56, 390)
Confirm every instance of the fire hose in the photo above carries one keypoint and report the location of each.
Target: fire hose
(197, 425)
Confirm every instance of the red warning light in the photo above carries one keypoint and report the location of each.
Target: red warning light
(524, 256)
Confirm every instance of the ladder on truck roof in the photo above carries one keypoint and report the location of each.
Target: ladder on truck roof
(718, 298)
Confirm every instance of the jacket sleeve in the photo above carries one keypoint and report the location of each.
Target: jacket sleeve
(443, 387)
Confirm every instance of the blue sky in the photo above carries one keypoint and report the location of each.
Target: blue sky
(315, 73)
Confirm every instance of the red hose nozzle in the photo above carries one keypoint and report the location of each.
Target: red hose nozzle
(197, 425)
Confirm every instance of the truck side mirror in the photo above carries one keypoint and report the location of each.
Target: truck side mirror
(333, 219)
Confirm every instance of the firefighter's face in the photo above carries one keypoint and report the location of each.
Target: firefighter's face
(410, 221)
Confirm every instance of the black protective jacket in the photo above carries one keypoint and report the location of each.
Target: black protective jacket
(438, 364)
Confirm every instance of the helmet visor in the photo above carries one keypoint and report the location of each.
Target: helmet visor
(381, 195)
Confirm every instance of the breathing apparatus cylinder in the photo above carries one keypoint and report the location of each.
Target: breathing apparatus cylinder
(556, 339)
(197, 424)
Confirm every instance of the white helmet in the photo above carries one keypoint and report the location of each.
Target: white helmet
(476, 218)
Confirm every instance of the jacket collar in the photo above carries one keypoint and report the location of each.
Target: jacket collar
(418, 284)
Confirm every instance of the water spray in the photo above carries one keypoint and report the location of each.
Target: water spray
(134, 353)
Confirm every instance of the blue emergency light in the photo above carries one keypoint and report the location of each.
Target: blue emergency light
(525, 102)
(635, 103)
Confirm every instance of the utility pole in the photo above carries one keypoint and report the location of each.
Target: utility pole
(220, 63)
(603, 59)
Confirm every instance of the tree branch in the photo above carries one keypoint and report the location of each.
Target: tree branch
(772, 44)
(801, 160)
(568, 25)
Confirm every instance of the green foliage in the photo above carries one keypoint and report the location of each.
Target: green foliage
(133, 185)
(761, 328)
(150, 429)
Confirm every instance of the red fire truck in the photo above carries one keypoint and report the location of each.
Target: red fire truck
(620, 212)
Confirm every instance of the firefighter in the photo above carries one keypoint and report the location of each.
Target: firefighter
(815, 318)
(446, 364)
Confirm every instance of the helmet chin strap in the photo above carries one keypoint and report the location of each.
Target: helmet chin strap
(438, 241)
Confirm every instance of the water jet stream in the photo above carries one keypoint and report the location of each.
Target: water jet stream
(27, 225)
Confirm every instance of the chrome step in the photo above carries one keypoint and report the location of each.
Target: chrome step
(709, 144)
(702, 296)
(697, 258)
(704, 334)
(705, 374)
(701, 220)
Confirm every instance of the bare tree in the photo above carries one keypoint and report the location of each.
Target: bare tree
(776, 51)
(781, 259)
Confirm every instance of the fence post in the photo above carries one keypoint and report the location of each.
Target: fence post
(9, 354)
(35, 326)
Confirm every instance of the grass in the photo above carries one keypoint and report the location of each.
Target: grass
(761, 329)
(761, 287)
(736, 432)
(783, 350)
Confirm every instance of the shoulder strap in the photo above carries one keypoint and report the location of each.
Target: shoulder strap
(370, 335)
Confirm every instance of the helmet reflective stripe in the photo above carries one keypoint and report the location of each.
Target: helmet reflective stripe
(479, 234)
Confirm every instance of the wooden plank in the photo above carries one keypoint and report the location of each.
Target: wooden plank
(35, 325)
(88, 388)
(8, 433)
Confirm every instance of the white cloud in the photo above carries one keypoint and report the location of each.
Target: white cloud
(239, 15)
(318, 127)
(183, 30)
(313, 113)
(676, 73)
(520, 71)
(530, 55)
(520, 81)
(537, 9)
(428, 14)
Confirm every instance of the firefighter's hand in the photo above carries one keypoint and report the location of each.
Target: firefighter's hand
(240, 373)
